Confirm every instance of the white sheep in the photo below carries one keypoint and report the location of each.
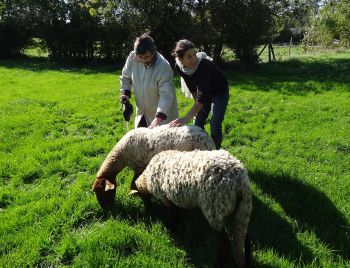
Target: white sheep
(137, 148)
(214, 181)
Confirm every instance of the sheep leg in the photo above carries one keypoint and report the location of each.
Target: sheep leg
(138, 187)
(173, 215)
(242, 215)
(133, 184)
(223, 249)
(248, 251)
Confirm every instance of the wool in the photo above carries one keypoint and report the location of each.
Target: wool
(215, 181)
(138, 146)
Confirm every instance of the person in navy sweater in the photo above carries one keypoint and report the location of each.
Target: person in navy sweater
(208, 86)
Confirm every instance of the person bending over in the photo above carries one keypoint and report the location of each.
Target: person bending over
(208, 86)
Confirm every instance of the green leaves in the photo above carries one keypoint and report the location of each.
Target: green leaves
(332, 27)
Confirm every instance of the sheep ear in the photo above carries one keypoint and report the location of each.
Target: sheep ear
(133, 192)
(109, 186)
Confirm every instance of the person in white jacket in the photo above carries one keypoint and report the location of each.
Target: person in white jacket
(151, 77)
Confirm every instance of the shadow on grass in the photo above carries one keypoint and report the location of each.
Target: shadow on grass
(188, 228)
(42, 64)
(296, 77)
(269, 230)
(288, 77)
(312, 210)
(190, 231)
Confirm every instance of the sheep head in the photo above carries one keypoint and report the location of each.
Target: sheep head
(140, 187)
(105, 191)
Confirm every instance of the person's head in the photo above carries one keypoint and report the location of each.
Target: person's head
(144, 48)
(185, 52)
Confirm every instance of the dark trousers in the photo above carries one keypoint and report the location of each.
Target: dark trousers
(142, 122)
(218, 107)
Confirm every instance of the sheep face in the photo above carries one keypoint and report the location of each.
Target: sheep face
(140, 187)
(105, 191)
(138, 146)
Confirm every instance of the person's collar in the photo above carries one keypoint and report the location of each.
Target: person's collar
(187, 70)
(190, 71)
(154, 59)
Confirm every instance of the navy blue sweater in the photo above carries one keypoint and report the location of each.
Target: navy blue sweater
(208, 81)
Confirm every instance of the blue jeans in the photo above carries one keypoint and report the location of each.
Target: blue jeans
(218, 107)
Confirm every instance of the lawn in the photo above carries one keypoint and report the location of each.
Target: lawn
(288, 122)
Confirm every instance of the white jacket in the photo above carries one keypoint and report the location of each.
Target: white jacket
(153, 88)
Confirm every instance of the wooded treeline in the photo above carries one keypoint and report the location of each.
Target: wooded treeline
(82, 30)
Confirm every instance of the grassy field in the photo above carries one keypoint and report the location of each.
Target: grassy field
(288, 122)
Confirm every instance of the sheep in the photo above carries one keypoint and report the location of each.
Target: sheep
(137, 148)
(214, 181)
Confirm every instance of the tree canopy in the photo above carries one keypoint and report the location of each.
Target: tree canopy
(82, 30)
(332, 25)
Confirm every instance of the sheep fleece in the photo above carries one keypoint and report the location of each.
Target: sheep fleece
(215, 181)
(138, 146)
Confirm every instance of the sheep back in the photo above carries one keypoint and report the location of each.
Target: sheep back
(141, 144)
(210, 180)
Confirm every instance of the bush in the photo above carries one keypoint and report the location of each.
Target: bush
(331, 26)
(249, 23)
(111, 45)
(13, 38)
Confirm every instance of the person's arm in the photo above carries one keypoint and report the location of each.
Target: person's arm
(125, 80)
(166, 96)
(157, 120)
(184, 120)
(200, 96)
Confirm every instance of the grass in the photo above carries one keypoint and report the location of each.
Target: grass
(289, 123)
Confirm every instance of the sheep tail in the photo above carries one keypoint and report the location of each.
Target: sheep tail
(241, 243)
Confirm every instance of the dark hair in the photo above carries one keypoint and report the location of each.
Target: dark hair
(143, 44)
(181, 47)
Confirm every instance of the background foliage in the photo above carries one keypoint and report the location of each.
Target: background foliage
(332, 26)
(88, 30)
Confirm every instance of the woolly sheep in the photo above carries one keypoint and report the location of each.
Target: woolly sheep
(214, 181)
(137, 148)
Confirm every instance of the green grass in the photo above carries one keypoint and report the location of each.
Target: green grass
(288, 122)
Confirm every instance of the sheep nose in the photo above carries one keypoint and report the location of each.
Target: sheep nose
(105, 193)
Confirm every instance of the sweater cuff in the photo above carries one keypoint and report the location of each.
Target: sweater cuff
(161, 115)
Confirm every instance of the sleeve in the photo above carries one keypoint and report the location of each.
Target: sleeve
(125, 78)
(203, 90)
(166, 91)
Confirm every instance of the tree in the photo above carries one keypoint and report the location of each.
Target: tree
(81, 30)
(289, 15)
(332, 24)
(14, 29)
(242, 25)
(167, 21)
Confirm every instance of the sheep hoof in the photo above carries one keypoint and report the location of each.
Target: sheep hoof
(133, 192)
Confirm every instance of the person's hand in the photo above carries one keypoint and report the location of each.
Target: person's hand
(124, 98)
(155, 123)
(179, 122)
